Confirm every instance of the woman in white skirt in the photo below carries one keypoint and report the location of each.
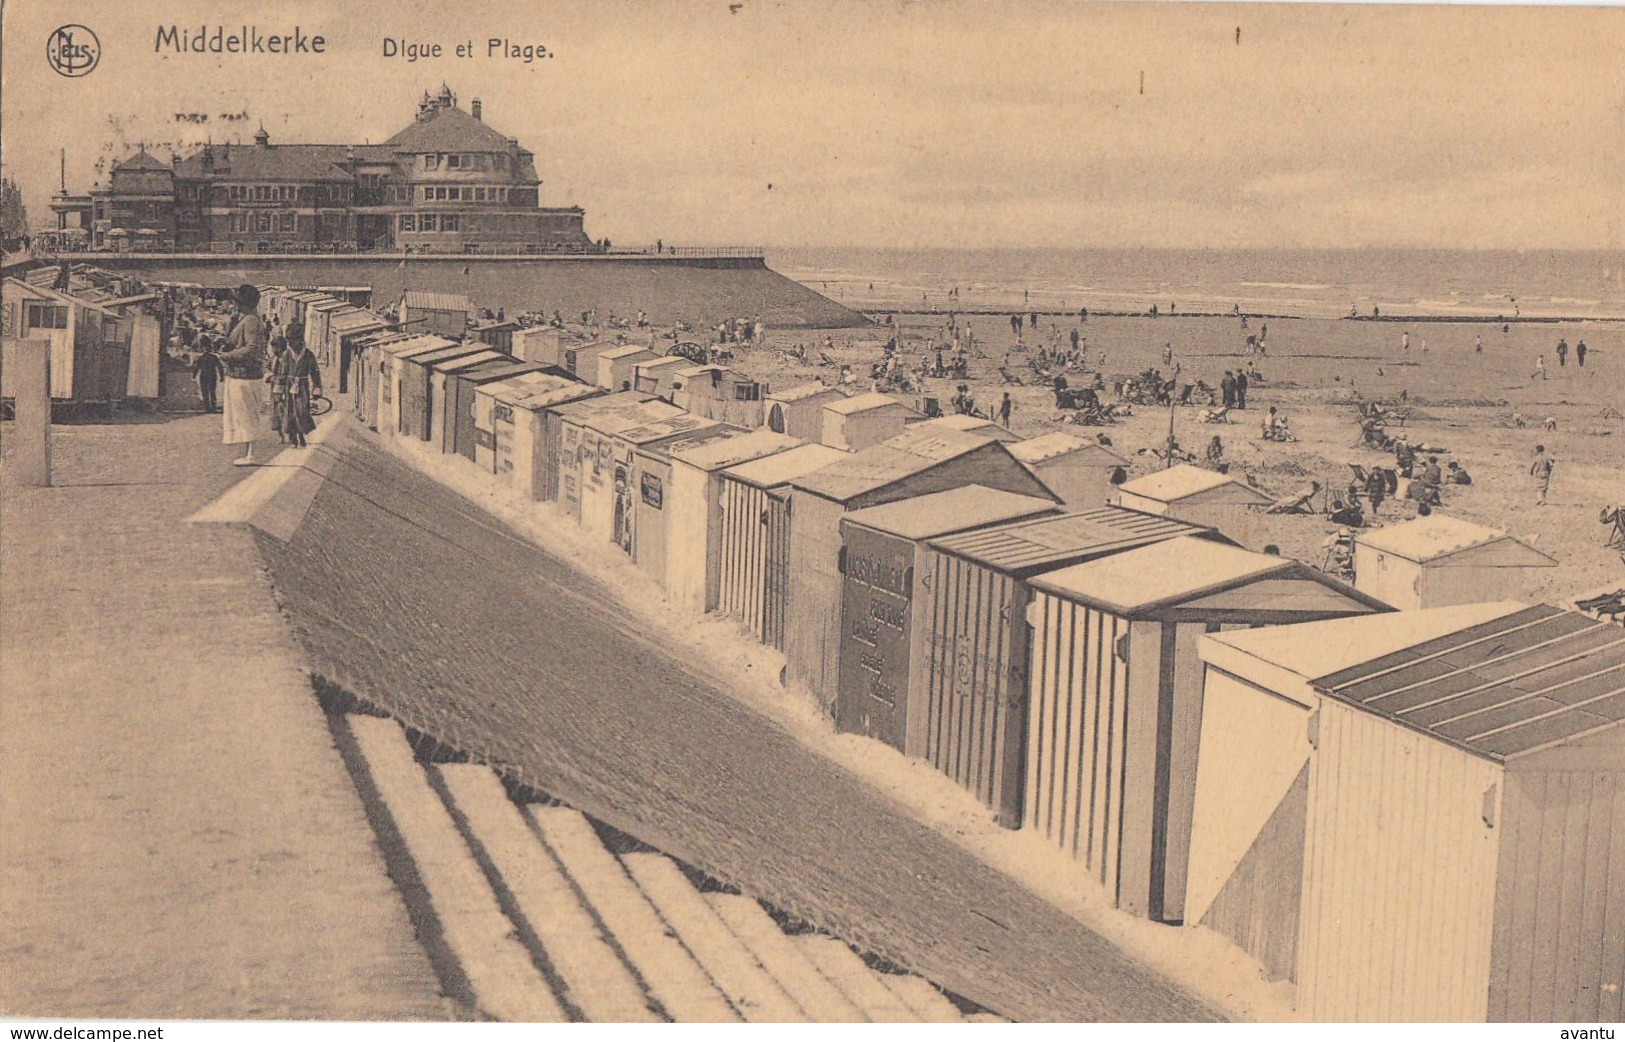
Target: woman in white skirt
(244, 360)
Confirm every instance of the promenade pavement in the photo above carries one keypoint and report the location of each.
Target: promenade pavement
(178, 834)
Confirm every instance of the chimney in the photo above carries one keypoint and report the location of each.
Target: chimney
(476, 108)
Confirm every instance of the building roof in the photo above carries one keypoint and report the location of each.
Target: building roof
(268, 163)
(582, 411)
(662, 362)
(974, 425)
(701, 370)
(613, 418)
(425, 300)
(864, 403)
(428, 359)
(1029, 547)
(1437, 536)
(448, 129)
(418, 344)
(719, 455)
(540, 391)
(1060, 443)
(507, 371)
(1162, 573)
(915, 450)
(784, 467)
(626, 351)
(956, 510)
(1505, 688)
(462, 362)
(663, 427)
(142, 160)
(1183, 481)
(803, 392)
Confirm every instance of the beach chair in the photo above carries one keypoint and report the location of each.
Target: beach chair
(1299, 502)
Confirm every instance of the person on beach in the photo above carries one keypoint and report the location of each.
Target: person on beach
(1580, 354)
(298, 377)
(1540, 368)
(244, 363)
(1562, 352)
(1215, 452)
(1005, 406)
(1405, 340)
(1241, 389)
(1458, 474)
(1478, 345)
(1168, 353)
(1076, 337)
(1227, 389)
(1376, 489)
(207, 370)
(1541, 470)
(1404, 456)
(1431, 480)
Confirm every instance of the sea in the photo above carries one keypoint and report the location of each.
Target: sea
(1580, 284)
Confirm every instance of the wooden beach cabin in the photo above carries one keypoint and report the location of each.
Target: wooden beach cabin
(719, 393)
(367, 378)
(442, 395)
(495, 333)
(638, 525)
(586, 451)
(318, 315)
(658, 376)
(516, 436)
(883, 563)
(856, 423)
(694, 505)
(424, 311)
(1463, 821)
(392, 375)
(754, 566)
(1116, 699)
(617, 367)
(461, 390)
(1080, 470)
(1200, 496)
(1435, 561)
(915, 463)
(968, 695)
(344, 338)
(799, 411)
(417, 401)
(538, 344)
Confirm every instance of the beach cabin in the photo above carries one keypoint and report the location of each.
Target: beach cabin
(586, 452)
(617, 367)
(392, 375)
(856, 423)
(345, 333)
(754, 565)
(537, 344)
(1200, 496)
(318, 317)
(719, 393)
(799, 411)
(515, 434)
(417, 395)
(975, 425)
(92, 357)
(1080, 470)
(1115, 705)
(1419, 816)
(442, 394)
(694, 505)
(581, 358)
(644, 533)
(445, 314)
(968, 692)
(368, 372)
(658, 376)
(461, 388)
(495, 333)
(1435, 561)
(915, 463)
(883, 562)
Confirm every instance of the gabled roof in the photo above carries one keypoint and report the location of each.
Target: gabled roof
(1183, 481)
(268, 163)
(142, 160)
(1437, 536)
(448, 129)
(974, 425)
(462, 362)
(803, 392)
(1162, 573)
(864, 403)
(1060, 443)
(784, 467)
(1502, 689)
(731, 452)
(1029, 547)
(426, 300)
(915, 450)
(956, 510)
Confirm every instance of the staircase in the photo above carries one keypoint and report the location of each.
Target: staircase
(527, 914)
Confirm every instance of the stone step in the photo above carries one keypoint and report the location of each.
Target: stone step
(541, 900)
(751, 989)
(674, 978)
(842, 966)
(503, 980)
(821, 1000)
(929, 1005)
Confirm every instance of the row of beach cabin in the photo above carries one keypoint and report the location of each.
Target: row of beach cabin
(1414, 814)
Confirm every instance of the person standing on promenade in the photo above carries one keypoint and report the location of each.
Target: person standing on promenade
(1541, 469)
(244, 362)
(206, 370)
(1580, 353)
(279, 387)
(299, 377)
(1562, 352)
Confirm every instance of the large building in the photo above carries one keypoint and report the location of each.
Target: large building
(448, 182)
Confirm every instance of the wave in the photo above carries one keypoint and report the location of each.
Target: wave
(1310, 286)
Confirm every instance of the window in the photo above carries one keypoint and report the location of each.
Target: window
(408, 222)
(454, 162)
(502, 162)
(479, 195)
(431, 162)
(426, 222)
(239, 222)
(745, 392)
(262, 222)
(285, 222)
(449, 222)
(47, 316)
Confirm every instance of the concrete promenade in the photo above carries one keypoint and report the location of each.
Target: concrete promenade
(178, 834)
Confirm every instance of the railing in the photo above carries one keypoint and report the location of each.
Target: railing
(705, 251)
(424, 249)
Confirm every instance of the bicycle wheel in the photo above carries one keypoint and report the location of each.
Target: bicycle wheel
(320, 405)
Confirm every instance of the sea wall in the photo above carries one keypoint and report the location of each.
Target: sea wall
(701, 291)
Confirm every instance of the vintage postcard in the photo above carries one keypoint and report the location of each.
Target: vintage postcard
(773, 511)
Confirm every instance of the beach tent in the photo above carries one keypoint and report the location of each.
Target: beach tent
(914, 463)
(694, 505)
(1435, 561)
(882, 562)
(1080, 470)
(653, 473)
(1200, 496)
(318, 314)
(799, 411)
(754, 559)
(516, 435)
(1435, 802)
(968, 696)
(1116, 699)
(856, 423)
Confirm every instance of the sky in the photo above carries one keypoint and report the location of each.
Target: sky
(919, 124)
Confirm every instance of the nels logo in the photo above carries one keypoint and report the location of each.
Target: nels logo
(73, 50)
